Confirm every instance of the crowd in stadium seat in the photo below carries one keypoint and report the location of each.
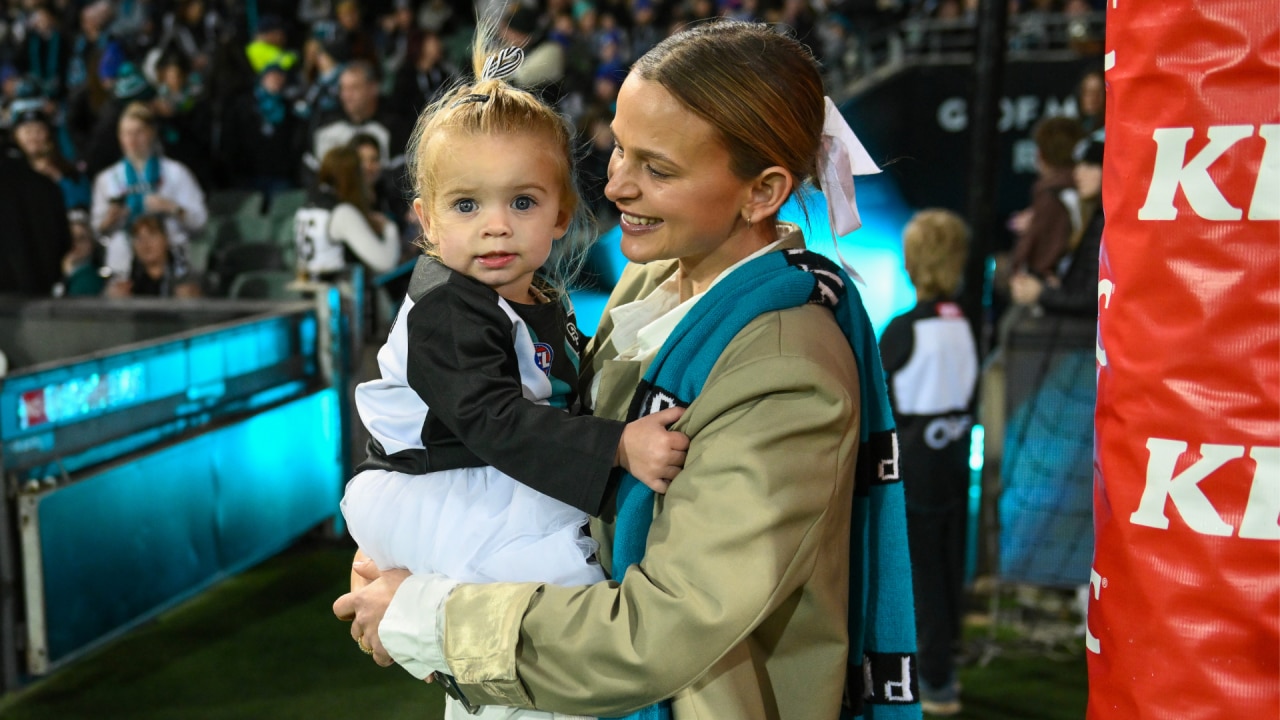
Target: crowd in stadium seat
(245, 98)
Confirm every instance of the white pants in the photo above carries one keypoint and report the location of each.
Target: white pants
(453, 711)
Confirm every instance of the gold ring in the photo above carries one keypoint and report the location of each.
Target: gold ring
(364, 648)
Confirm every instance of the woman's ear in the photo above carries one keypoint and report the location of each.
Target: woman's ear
(768, 192)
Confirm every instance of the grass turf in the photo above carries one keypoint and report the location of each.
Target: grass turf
(265, 644)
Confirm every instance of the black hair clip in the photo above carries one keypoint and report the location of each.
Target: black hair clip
(473, 97)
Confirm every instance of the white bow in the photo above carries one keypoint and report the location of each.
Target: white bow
(841, 157)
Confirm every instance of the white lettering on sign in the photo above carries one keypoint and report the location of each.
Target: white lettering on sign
(1091, 642)
(1106, 289)
(1265, 204)
(1016, 113)
(1172, 171)
(1261, 520)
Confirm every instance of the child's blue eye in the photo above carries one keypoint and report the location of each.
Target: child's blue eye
(524, 202)
(465, 205)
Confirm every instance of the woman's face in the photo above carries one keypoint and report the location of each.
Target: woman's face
(370, 164)
(150, 246)
(1088, 179)
(32, 139)
(136, 138)
(1092, 95)
(669, 176)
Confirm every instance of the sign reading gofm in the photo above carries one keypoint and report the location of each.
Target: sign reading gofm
(1184, 612)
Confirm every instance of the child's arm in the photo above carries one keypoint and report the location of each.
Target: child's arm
(461, 362)
(651, 452)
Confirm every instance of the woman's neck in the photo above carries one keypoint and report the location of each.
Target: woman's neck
(698, 272)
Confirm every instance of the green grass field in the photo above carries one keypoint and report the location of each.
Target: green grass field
(265, 644)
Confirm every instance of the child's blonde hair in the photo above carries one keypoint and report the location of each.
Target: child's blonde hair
(934, 245)
(492, 106)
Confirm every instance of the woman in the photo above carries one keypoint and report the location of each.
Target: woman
(144, 182)
(737, 605)
(337, 226)
(154, 272)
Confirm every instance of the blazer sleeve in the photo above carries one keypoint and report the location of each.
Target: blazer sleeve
(462, 364)
(765, 492)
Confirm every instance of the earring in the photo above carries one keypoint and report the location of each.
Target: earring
(748, 218)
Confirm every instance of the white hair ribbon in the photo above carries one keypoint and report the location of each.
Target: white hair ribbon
(501, 64)
(839, 159)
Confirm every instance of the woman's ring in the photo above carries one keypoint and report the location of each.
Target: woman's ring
(364, 648)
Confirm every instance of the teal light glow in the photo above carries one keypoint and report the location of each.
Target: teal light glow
(874, 250)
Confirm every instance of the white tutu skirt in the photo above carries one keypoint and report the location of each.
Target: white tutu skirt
(470, 524)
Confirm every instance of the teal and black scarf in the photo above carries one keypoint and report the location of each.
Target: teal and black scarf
(137, 188)
(881, 681)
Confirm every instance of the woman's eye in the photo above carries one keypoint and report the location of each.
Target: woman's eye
(465, 205)
(656, 173)
(524, 202)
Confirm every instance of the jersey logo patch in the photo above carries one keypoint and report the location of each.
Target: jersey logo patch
(542, 355)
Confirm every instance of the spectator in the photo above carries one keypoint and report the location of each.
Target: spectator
(269, 45)
(144, 183)
(931, 368)
(45, 53)
(153, 271)
(261, 137)
(380, 190)
(34, 136)
(337, 227)
(593, 168)
(1075, 290)
(325, 58)
(82, 265)
(544, 62)
(349, 26)
(35, 236)
(1046, 226)
(644, 31)
(194, 30)
(185, 123)
(1091, 98)
(360, 112)
(88, 48)
(420, 82)
(103, 148)
(398, 43)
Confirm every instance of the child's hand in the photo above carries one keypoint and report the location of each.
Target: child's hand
(651, 452)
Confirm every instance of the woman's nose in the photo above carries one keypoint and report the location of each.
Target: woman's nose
(620, 186)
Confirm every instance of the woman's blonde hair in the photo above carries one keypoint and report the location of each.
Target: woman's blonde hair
(140, 112)
(492, 106)
(761, 89)
(934, 245)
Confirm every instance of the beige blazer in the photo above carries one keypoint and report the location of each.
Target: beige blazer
(739, 608)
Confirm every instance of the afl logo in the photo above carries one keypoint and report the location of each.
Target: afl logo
(542, 357)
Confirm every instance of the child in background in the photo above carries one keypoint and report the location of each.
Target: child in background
(479, 372)
(931, 367)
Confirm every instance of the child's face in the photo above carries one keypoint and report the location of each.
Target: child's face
(495, 209)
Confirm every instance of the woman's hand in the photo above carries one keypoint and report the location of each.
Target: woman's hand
(157, 204)
(361, 566)
(1025, 288)
(365, 607)
(651, 452)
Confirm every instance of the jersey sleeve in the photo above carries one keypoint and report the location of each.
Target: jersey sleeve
(462, 364)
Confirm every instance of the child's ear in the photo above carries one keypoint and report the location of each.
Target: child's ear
(562, 224)
(424, 219)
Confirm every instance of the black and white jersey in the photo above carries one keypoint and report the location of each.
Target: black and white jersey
(470, 379)
(931, 366)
